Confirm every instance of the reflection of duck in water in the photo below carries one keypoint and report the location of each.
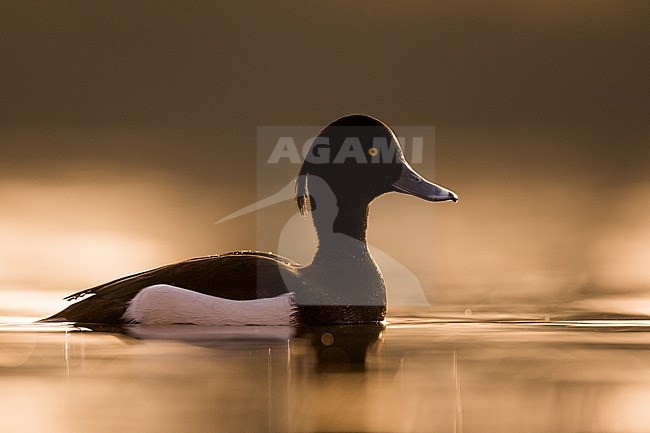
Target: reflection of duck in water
(337, 348)
(353, 161)
(342, 348)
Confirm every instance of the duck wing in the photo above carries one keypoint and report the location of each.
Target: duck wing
(240, 275)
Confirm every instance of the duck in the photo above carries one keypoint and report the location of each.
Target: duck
(353, 161)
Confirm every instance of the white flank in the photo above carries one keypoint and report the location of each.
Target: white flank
(163, 304)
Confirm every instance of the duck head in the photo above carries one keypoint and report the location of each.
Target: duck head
(359, 159)
(352, 161)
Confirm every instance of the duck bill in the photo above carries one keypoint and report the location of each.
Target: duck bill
(412, 183)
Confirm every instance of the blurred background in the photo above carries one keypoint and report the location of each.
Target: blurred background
(128, 128)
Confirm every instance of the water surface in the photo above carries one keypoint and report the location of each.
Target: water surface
(417, 373)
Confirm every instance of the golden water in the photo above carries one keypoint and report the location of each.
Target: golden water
(431, 373)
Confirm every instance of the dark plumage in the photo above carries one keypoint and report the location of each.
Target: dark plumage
(232, 275)
(342, 284)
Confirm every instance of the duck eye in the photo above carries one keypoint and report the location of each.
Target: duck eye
(373, 151)
(415, 178)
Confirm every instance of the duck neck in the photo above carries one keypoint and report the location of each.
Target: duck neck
(343, 271)
(346, 235)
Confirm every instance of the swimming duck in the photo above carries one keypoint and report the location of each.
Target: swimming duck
(353, 161)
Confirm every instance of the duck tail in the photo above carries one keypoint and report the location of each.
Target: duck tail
(95, 309)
